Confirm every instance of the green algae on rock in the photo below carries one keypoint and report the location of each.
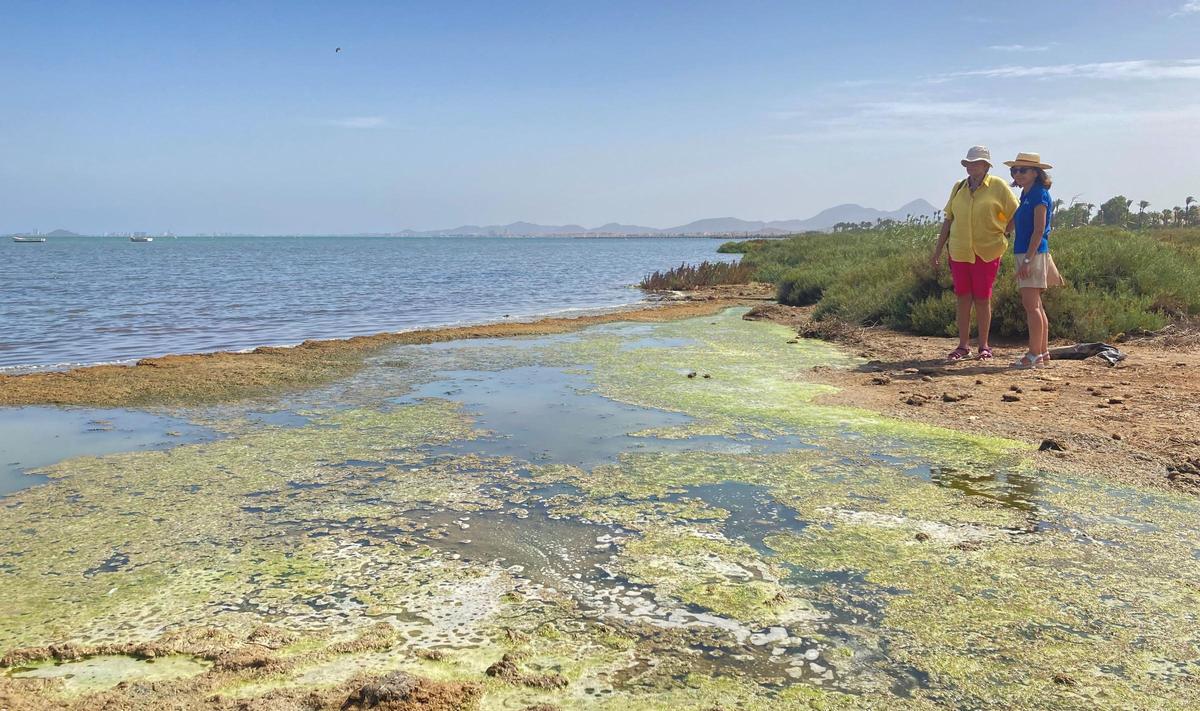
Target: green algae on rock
(996, 624)
(703, 568)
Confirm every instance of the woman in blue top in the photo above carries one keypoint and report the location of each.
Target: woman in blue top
(1035, 267)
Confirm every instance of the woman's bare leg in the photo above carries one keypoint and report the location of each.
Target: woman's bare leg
(1035, 317)
(983, 319)
(964, 320)
(1045, 326)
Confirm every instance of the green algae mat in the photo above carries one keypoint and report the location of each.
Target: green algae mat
(629, 517)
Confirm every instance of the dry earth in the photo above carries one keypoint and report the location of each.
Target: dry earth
(1137, 421)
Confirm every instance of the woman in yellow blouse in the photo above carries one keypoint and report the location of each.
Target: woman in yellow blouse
(976, 216)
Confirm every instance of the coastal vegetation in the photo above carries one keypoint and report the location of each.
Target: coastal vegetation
(1120, 281)
(743, 246)
(688, 276)
(1117, 212)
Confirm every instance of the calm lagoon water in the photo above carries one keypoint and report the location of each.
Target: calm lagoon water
(80, 300)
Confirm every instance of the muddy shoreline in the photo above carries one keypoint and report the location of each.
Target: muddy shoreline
(1133, 422)
(206, 378)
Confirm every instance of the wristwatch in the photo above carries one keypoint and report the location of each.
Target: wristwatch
(1028, 260)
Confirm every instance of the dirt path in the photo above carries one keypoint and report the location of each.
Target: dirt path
(1136, 421)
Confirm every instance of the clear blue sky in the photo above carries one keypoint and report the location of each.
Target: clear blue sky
(239, 116)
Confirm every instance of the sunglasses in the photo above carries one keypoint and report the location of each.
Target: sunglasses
(1020, 169)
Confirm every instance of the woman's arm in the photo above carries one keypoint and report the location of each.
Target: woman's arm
(945, 235)
(1035, 239)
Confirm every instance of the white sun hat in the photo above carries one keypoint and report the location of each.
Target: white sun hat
(976, 154)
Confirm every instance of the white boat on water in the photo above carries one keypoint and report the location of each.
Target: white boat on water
(28, 239)
(141, 239)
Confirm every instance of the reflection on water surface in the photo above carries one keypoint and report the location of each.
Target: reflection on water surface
(33, 437)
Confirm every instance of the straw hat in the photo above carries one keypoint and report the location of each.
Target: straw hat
(976, 154)
(1029, 160)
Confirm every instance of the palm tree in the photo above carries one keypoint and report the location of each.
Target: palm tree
(1142, 205)
(1073, 211)
(1166, 217)
(1187, 212)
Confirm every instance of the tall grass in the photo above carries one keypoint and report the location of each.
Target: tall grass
(687, 276)
(1118, 281)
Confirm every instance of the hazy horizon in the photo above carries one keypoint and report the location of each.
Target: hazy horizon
(223, 118)
(449, 228)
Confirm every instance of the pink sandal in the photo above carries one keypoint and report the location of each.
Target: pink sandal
(985, 353)
(959, 353)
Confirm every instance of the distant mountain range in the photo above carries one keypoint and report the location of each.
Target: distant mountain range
(823, 220)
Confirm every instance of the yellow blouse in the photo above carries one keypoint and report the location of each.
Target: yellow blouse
(978, 219)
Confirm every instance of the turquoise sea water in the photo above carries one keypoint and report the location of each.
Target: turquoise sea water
(79, 300)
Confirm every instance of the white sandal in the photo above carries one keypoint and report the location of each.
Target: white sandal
(1027, 361)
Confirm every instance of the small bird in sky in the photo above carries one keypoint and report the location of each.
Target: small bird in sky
(337, 50)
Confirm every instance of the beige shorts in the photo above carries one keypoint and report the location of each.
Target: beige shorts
(1042, 273)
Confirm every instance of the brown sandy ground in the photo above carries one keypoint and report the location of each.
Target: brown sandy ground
(227, 376)
(1138, 421)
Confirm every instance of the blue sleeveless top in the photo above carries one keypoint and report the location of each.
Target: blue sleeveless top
(1023, 219)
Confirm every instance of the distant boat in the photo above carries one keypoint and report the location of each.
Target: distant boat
(28, 239)
(141, 239)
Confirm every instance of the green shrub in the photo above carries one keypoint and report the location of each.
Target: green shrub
(936, 315)
(740, 247)
(769, 273)
(1095, 315)
(880, 292)
(1008, 314)
(1118, 281)
(800, 287)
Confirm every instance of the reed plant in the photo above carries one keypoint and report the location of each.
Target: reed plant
(686, 277)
